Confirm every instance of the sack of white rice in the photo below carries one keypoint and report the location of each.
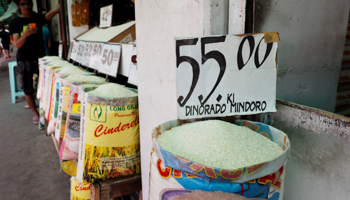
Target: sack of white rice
(201, 195)
(53, 104)
(70, 144)
(109, 138)
(219, 156)
(64, 90)
(79, 191)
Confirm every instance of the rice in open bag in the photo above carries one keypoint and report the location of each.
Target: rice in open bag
(64, 90)
(109, 139)
(53, 103)
(172, 175)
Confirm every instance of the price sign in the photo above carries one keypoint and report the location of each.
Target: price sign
(95, 59)
(106, 16)
(110, 59)
(133, 68)
(87, 54)
(80, 52)
(70, 50)
(226, 75)
(74, 45)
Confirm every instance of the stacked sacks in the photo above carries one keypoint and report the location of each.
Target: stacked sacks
(52, 109)
(69, 166)
(79, 191)
(109, 139)
(215, 157)
(64, 91)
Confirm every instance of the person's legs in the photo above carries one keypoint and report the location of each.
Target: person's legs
(4, 52)
(26, 69)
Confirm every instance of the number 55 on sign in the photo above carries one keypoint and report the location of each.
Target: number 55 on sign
(226, 75)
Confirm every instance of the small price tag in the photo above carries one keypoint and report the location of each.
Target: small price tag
(80, 52)
(74, 46)
(133, 68)
(96, 52)
(110, 59)
(87, 54)
(106, 16)
(70, 50)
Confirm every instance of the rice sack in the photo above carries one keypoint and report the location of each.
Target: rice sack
(219, 156)
(70, 144)
(79, 191)
(64, 90)
(109, 139)
(53, 105)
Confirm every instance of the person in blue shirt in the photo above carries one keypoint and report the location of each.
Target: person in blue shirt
(47, 40)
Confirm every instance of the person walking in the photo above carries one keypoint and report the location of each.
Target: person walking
(27, 35)
(5, 41)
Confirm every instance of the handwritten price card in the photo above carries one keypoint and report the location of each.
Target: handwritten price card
(110, 59)
(80, 52)
(87, 54)
(96, 52)
(74, 46)
(226, 75)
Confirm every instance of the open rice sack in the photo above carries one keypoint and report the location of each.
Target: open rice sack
(68, 69)
(109, 138)
(53, 105)
(70, 144)
(64, 90)
(79, 191)
(219, 157)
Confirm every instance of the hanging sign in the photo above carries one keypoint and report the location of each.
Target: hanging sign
(74, 45)
(95, 58)
(133, 68)
(80, 52)
(87, 54)
(110, 59)
(226, 75)
(106, 16)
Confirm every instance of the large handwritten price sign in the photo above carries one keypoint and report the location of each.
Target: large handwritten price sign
(80, 52)
(226, 75)
(110, 59)
(74, 45)
(95, 58)
(87, 54)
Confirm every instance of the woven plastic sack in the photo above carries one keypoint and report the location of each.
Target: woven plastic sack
(64, 92)
(170, 173)
(53, 103)
(109, 139)
(70, 144)
(79, 191)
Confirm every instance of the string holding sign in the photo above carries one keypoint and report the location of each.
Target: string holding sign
(217, 77)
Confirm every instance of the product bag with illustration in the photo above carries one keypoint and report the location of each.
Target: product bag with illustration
(172, 175)
(109, 140)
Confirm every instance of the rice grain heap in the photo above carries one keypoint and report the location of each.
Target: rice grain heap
(219, 144)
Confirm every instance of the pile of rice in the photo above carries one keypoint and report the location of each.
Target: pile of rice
(112, 90)
(219, 144)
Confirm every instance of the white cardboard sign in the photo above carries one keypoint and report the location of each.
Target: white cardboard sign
(110, 59)
(96, 52)
(80, 52)
(133, 68)
(106, 16)
(87, 54)
(74, 45)
(225, 75)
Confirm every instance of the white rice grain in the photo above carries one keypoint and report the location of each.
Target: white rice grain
(219, 144)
